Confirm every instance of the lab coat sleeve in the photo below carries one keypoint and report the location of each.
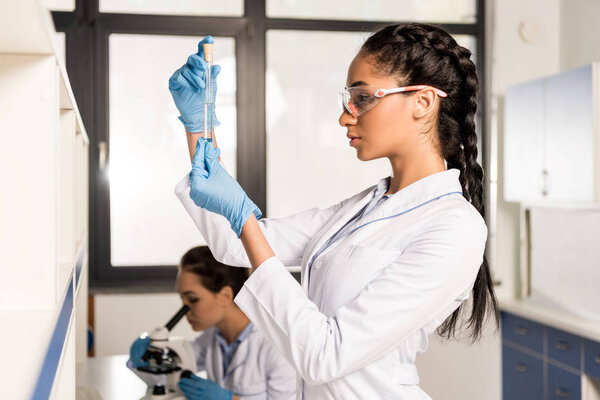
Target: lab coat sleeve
(281, 377)
(417, 289)
(287, 236)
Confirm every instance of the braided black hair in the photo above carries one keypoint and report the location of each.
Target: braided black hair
(425, 54)
(212, 274)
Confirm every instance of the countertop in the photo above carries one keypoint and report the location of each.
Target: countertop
(552, 316)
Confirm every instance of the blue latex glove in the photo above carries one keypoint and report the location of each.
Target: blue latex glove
(196, 388)
(187, 89)
(212, 188)
(137, 351)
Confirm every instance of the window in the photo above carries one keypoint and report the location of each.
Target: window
(147, 149)
(438, 11)
(180, 7)
(120, 55)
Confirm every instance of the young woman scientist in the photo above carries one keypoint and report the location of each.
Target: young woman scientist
(381, 270)
(239, 361)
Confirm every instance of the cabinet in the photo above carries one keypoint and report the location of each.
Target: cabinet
(540, 362)
(43, 211)
(552, 138)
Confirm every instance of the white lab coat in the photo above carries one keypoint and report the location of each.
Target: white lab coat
(257, 370)
(374, 297)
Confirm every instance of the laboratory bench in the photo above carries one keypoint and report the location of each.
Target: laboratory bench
(108, 378)
(548, 353)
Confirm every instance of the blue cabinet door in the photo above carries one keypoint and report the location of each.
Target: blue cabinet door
(522, 376)
(564, 347)
(563, 384)
(523, 332)
(592, 358)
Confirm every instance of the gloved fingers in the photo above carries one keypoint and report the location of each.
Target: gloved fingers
(194, 77)
(212, 156)
(195, 378)
(199, 162)
(191, 394)
(178, 81)
(208, 39)
(192, 382)
(140, 345)
(196, 62)
(138, 364)
(189, 388)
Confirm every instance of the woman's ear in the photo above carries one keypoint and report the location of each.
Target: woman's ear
(424, 103)
(226, 295)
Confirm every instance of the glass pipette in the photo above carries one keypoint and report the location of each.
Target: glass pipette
(208, 99)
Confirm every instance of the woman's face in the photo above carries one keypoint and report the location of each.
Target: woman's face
(206, 308)
(392, 126)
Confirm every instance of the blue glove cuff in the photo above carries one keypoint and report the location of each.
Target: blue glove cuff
(248, 208)
(196, 126)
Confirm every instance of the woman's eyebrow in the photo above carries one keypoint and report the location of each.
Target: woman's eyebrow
(359, 83)
(187, 293)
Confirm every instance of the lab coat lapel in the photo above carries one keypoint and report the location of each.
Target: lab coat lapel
(214, 360)
(240, 356)
(339, 219)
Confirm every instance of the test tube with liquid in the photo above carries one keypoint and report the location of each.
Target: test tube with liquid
(208, 99)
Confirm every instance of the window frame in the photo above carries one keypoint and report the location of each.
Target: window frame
(87, 32)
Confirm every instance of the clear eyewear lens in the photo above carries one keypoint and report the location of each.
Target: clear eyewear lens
(359, 100)
(346, 105)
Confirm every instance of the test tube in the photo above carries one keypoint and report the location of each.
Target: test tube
(208, 99)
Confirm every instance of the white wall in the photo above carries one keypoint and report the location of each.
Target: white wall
(580, 31)
(120, 318)
(513, 61)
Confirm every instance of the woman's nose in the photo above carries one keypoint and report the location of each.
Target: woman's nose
(347, 119)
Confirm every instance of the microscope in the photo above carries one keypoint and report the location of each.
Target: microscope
(169, 359)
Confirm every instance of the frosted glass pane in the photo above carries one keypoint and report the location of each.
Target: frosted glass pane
(180, 7)
(148, 148)
(458, 11)
(60, 5)
(309, 162)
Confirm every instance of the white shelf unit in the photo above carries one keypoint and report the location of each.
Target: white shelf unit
(43, 210)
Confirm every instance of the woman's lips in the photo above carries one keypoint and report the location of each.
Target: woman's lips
(353, 139)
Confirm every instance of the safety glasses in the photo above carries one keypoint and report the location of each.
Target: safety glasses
(360, 99)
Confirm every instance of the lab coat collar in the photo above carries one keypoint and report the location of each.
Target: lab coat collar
(420, 191)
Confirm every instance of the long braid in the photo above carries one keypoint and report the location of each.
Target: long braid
(425, 54)
(483, 291)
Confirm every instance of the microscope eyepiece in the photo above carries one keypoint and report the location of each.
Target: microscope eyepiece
(176, 318)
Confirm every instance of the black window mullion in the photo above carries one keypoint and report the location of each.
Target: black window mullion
(251, 130)
(171, 25)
